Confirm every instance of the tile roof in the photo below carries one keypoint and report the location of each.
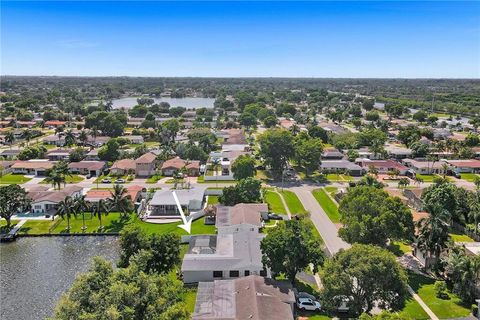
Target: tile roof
(124, 164)
(148, 157)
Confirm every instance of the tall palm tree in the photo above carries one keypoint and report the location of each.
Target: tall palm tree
(100, 208)
(433, 231)
(80, 206)
(120, 200)
(27, 135)
(474, 214)
(10, 138)
(62, 169)
(69, 138)
(445, 168)
(215, 164)
(55, 179)
(83, 137)
(66, 209)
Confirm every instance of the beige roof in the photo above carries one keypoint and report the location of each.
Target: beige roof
(33, 165)
(249, 213)
(124, 164)
(178, 164)
(148, 157)
(53, 196)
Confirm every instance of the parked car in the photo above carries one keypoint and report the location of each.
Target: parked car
(274, 216)
(107, 180)
(308, 304)
(342, 303)
(119, 181)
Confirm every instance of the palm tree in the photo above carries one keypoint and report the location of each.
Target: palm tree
(10, 138)
(66, 209)
(445, 168)
(433, 231)
(27, 135)
(80, 206)
(69, 137)
(62, 169)
(373, 170)
(100, 208)
(474, 214)
(54, 178)
(404, 182)
(120, 200)
(83, 137)
(215, 164)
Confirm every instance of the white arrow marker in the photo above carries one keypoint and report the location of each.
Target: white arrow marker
(187, 224)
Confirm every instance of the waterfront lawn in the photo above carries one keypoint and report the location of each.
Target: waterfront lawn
(3, 225)
(14, 179)
(274, 202)
(212, 199)
(327, 204)
(470, 177)
(36, 227)
(293, 203)
(443, 308)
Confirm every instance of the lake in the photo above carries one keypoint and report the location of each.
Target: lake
(34, 272)
(189, 103)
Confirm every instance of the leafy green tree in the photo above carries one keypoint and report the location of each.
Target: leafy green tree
(270, 121)
(165, 250)
(370, 216)
(441, 194)
(419, 149)
(132, 240)
(420, 116)
(291, 247)
(318, 132)
(276, 147)
(367, 273)
(171, 127)
(432, 236)
(247, 119)
(110, 151)
(124, 293)
(245, 191)
(285, 109)
(13, 199)
(384, 315)
(243, 167)
(308, 154)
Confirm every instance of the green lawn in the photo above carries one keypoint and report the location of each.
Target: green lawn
(74, 178)
(293, 203)
(327, 204)
(460, 237)
(154, 178)
(212, 199)
(112, 223)
(332, 177)
(274, 202)
(332, 191)
(190, 298)
(413, 310)
(3, 225)
(399, 248)
(469, 176)
(427, 177)
(14, 179)
(443, 308)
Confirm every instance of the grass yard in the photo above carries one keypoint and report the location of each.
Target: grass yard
(190, 298)
(456, 237)
(154, 178)
(332, 177)
(443, 308)
(399, 248)
(470, 177)
(274, 202)
(112, 223)
(293, 203)
(413, 310)
(327, 204)
(212, 200)
(75, 178)
(14, 179)
(427, 177)
(332, 191)
(3, 225)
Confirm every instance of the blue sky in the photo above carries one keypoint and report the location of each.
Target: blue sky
(241, 39)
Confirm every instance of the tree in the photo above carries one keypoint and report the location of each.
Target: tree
(384, 315)
(171, 127)
(308, 154)
(403, 182)
(65, 209)
(276, 147)
(245, 191)
(318, 132)
(120, 201)
(69, 138)
(165, 249)
(420, 116)
(367, 273)
(419, 149)
(370, 216)
(243, 167)
(123, 293)
(132, 240)
(80, 206)
(13, 199)
(99, 209)
(440, 194)
(110, 151)
(247, 119)
(55, 179)
(10, 138)
(270, 121)
(433, 235)
(291, 247)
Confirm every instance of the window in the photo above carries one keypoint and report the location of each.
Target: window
(263, 273)
(247, 273)
(234, 274)
(217, 274)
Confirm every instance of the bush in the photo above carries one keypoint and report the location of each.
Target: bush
(441, 289)
(475, 310)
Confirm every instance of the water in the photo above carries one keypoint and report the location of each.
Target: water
(34, 272)
(189, 103)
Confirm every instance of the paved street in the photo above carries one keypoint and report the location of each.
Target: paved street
(325, 226)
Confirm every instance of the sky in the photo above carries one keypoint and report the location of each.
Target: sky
(380, 39)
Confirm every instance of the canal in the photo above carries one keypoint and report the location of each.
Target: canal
(34, 272)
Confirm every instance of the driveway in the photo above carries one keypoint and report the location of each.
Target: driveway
(324, 225)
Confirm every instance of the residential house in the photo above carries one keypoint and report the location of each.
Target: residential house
(332, 154)
(341, 166)
(145, 165)
(59, 154)
(46, 202)
(6, 167)
(223, 256)
(240, 217)
(135, 192)
(425, 167)
(171, 166)
(55, 123)
(398, 153)
(226, 158)
(123, 167)
(464, 166)
(87, 168)
(287, 123)
(10, 153)
(32, 167)
(134, 139)
(97, 141)
(383, 166)
(251, 297)
(235, 137)
(163, 204)
(92, 155)
(55, 140)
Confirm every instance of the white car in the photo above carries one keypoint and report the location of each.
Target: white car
(308, 304)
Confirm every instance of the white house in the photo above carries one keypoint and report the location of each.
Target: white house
(163, 203)
(46, 202)
(240, 217)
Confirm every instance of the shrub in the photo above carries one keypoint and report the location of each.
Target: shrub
(441, 289)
